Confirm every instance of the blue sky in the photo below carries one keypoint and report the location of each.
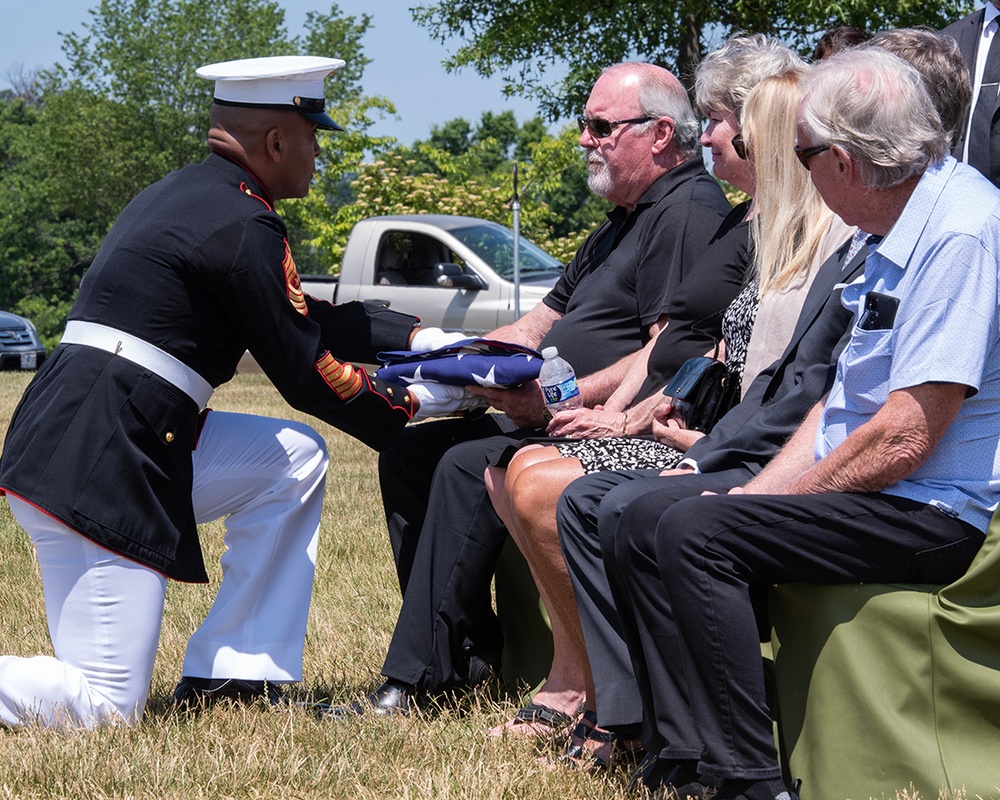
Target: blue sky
(406, 63)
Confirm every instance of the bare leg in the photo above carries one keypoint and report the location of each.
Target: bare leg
(496, 478)
(526, 500)
(535, 493)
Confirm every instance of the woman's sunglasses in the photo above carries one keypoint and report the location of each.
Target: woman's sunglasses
(740, 146)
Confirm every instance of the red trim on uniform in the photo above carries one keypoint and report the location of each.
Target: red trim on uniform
(88, 538)
(406, 408)
(265, 200)
(26, 501)
(249, 192)
(348, 381)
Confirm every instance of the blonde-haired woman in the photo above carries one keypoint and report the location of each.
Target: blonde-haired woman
(793, 233)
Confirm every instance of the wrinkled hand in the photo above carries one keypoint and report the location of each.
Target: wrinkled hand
(523, 404)
(669, 429)
(441, 400)
(673, 434)
(586, 423)
(734, 490)
(427, 339)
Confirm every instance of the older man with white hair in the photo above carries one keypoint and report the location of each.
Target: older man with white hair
(641, 139)
(893, 478)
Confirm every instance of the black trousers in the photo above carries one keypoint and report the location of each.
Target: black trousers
(689, 566)
(587, 517)
(446, 539)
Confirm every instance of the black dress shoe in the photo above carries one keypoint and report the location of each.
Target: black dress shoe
(392, 697)
(654, 774)
(646, 775)
(688, 791)
(483, 669)
(193, 692)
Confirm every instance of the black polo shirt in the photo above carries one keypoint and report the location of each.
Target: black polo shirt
(701, 299)
(623, 277)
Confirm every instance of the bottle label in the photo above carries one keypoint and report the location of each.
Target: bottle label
(561, 392)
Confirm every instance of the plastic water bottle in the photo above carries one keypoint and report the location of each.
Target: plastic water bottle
(558, 381)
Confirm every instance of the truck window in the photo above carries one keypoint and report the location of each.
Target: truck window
(407, 258)
(495, 245)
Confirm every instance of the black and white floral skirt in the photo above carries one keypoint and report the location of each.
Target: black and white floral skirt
(619, 453)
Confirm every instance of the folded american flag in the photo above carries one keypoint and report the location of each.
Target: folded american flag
(483, 362)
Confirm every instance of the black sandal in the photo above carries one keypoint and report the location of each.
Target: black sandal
(558, 721)
(579, 757)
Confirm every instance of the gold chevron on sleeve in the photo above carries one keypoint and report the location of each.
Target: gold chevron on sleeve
(293, 287)
(343, 378)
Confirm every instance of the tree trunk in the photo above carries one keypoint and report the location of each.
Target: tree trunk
(689, 50)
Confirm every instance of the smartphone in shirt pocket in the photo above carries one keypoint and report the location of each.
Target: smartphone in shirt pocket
(879, 313)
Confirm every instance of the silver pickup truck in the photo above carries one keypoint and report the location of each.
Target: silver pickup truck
(455, 273)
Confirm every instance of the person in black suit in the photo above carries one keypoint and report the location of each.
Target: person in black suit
(738, 447)
(977, 139)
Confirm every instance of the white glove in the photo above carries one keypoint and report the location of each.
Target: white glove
(427, 339)
(440, 399)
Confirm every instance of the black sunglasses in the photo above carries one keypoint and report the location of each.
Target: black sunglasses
(805, 153)
(740, 146)
(602, 128)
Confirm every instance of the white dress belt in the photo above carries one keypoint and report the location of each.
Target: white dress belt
(144, 354)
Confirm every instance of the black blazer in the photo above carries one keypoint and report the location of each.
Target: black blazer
(967, 33)
(780, 397)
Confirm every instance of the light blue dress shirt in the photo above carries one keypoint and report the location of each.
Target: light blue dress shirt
(940, 260)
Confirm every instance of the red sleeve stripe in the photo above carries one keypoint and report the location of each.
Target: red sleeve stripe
(343, 379)
(293, 286)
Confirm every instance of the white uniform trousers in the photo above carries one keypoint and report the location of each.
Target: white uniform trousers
(267, 477)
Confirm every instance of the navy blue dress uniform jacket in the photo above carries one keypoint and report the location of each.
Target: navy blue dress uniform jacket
(198, 265)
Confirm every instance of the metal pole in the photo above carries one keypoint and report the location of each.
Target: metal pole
(516, 207)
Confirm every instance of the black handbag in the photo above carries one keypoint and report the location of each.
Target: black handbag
(702, 391)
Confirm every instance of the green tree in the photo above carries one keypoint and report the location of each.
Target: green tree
(494, 139)
(135, 68)
(461, 184)
(531, 132)
(497, 136)
(526, 40)
(125, 109)
(454, 137)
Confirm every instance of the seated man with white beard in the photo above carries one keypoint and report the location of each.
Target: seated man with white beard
(641, 139)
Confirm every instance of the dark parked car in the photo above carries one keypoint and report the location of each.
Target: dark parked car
(20, 347)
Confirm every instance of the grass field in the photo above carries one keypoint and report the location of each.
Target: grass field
(232, 752)
(238, 752)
